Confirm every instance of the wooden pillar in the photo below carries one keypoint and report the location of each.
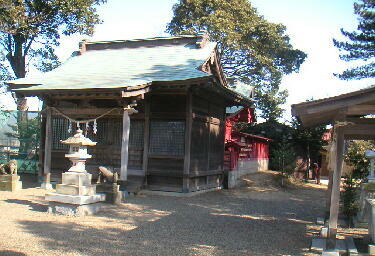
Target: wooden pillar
(41, 149)
(335, 194)
(146, 139)
(47, 151)
(188, 127)
(125, 145)
(329, 192)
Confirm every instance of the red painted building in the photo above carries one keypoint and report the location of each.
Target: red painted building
(244, 153)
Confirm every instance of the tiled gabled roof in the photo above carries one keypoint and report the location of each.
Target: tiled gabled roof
(118, 64)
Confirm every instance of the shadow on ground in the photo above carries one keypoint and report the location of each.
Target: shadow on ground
(11, 253)
(238, 222)
(38, 207)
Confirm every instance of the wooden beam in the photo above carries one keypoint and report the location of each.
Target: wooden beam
(41, 149)
(208, 143)
(359, 131)
(189, 122)
(146, 139)
(361, 110)
(133, 93)
(334, 103)
(90, 111)
(125, 146)
(335, 195)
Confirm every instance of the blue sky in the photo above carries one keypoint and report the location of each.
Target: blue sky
(311, 25)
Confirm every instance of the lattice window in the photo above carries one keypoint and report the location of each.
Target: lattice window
(136, 135)
(59, 132)
(167, 137)
(109, 132)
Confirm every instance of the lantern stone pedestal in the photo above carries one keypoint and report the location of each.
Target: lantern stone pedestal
(76, 196)
(10, 182)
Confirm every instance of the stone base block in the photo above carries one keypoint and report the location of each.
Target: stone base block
(10, 185)
(77, 200)
(330, 253)
(75, 190)
(74, 210)
(47, 186)
(76, 178)
(9, 177)
(320, 221)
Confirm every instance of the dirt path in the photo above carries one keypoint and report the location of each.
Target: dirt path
(258, 219)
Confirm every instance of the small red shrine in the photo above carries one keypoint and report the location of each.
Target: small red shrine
(244, 153)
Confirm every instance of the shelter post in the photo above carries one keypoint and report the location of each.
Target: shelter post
(329, 192)
(335, 194)
(47, 151)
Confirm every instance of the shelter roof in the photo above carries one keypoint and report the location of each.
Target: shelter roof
(324, 111)
(127, 63)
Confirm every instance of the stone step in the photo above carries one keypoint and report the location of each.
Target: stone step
(343, 247)
(78, 200)
(75, 190)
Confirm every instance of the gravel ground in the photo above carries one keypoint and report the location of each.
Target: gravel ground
(257, 219)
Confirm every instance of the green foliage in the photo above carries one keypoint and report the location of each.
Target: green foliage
(280, 146)
(29, 30)
(288, 142)
(308, 141)
(349, 197)
(360, 44)
(253, 50)
(28, 132)
(355, 157)
(284, 158)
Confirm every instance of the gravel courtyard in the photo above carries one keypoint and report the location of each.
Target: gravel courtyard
(257, 219)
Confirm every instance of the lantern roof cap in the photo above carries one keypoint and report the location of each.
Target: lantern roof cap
(78, 139)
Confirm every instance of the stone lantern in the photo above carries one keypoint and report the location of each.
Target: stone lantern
(76, 195)
(78, 151)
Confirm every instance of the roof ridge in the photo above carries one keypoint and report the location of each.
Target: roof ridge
(143, 39)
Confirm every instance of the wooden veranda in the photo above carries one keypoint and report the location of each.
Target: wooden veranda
(350, 115)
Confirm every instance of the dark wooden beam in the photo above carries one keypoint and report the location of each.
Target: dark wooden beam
(146, 139)
(188, 129)
(361, 110)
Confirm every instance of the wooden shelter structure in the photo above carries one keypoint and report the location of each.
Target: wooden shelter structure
(350, 115)
(158, 106)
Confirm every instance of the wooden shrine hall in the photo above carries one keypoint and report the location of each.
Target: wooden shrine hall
(155, 107)
(351, 117)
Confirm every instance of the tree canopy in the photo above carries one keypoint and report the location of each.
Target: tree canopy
(360, 43)
(254, 50)
(30, 29)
